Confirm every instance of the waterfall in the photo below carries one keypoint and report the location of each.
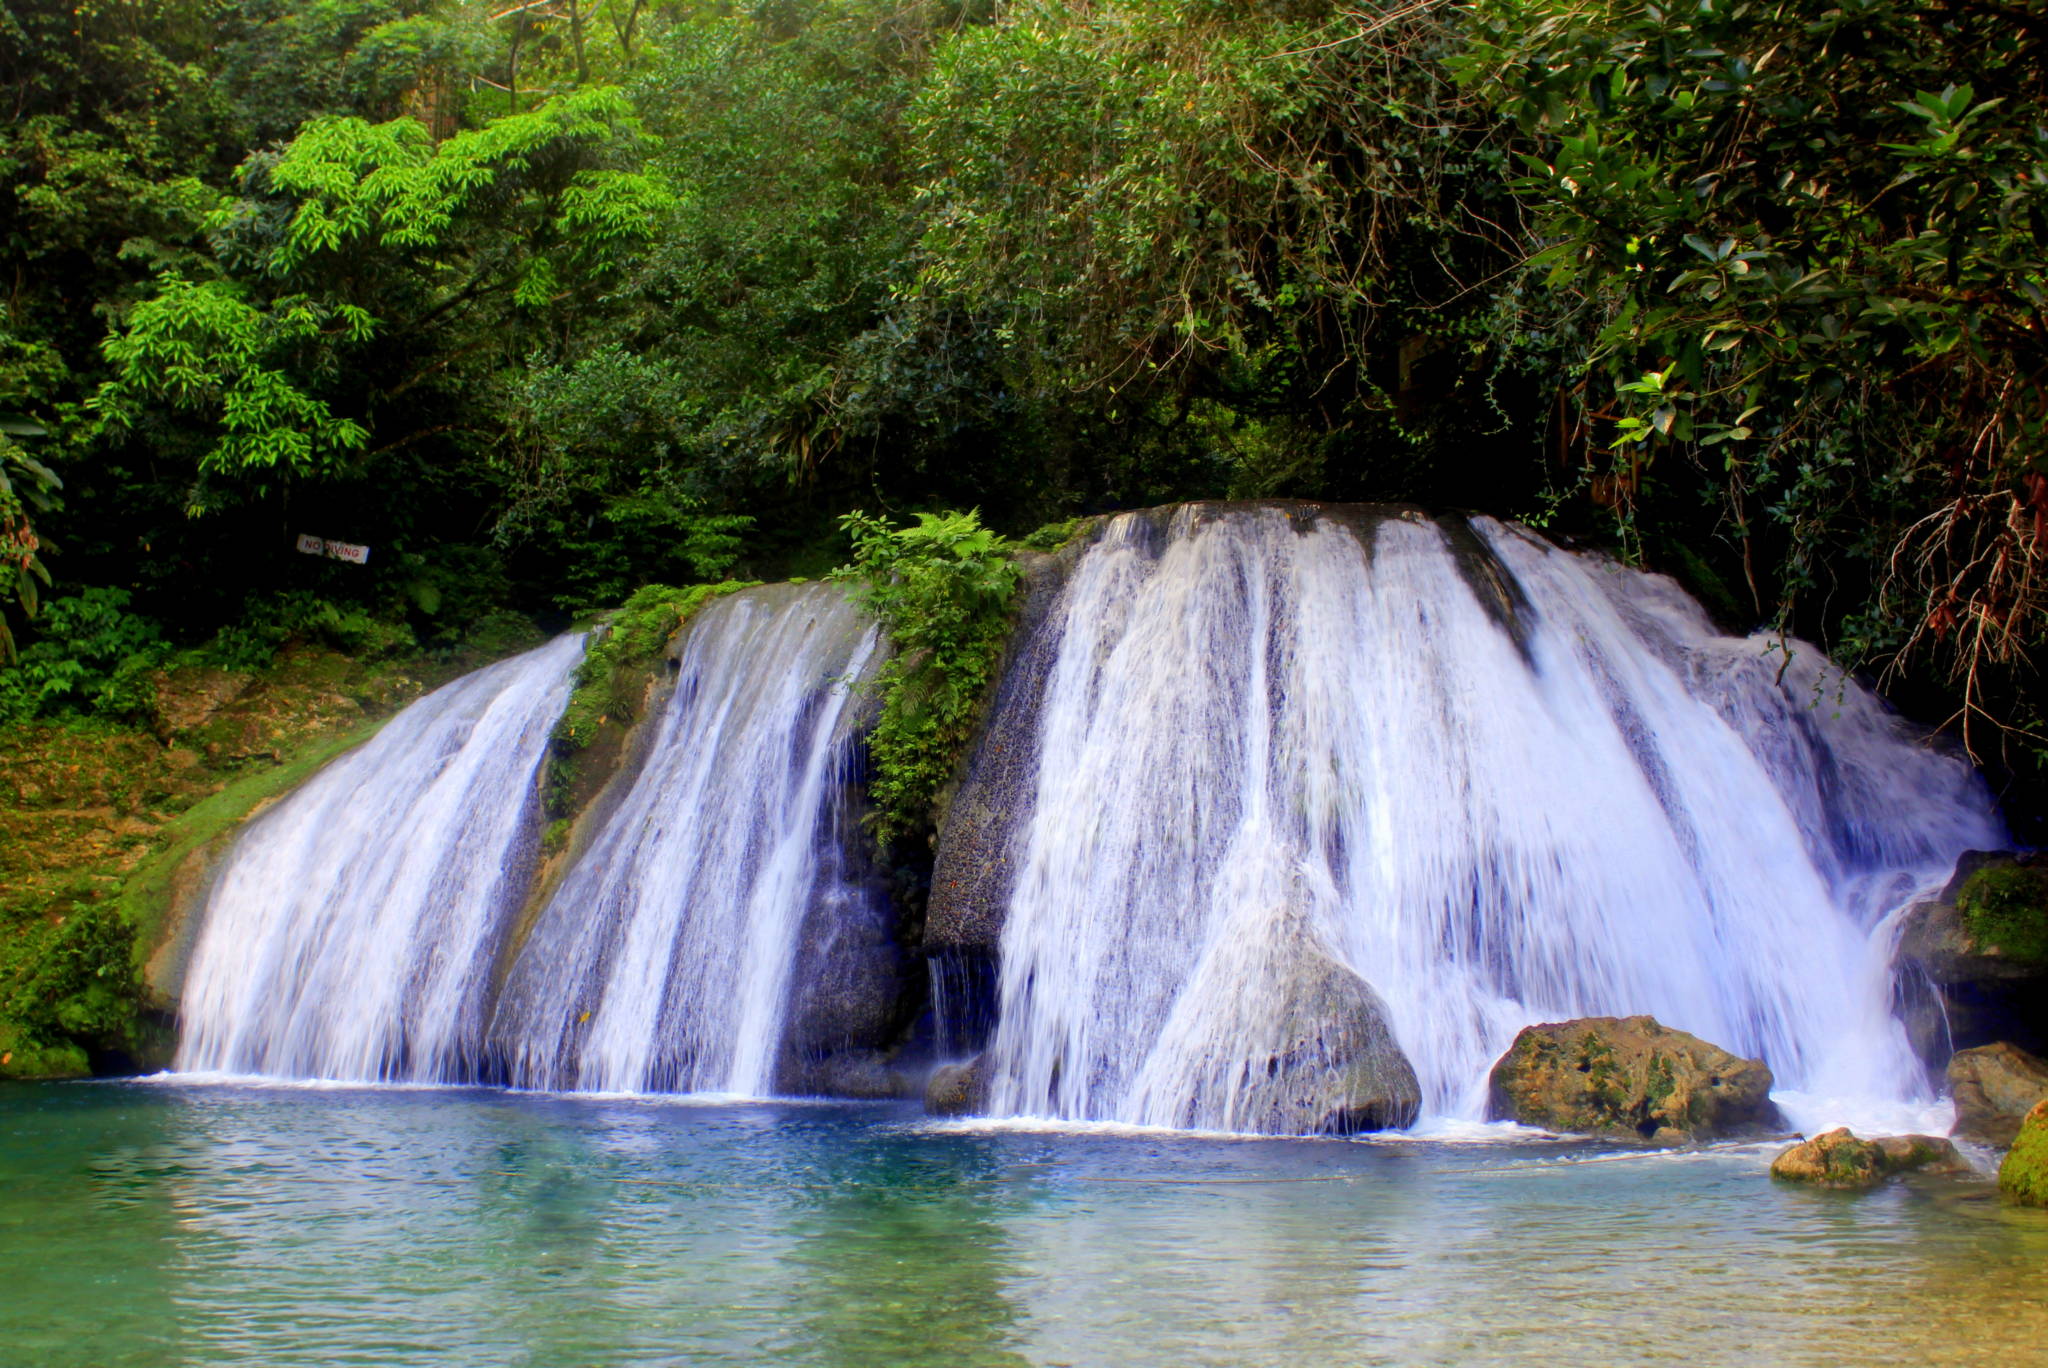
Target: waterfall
(664, 960)
(1499, 782)
(352, 930)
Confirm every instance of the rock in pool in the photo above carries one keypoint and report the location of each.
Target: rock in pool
(1630, 1076)
(1840, 1160)
(1994, 1087)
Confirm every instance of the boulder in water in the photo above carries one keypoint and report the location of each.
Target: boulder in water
(958, 1089)
(1331, 1067)
(1972, 964)
(1994, 1087)
(1630, 1076)
(1838, 1159)
(2023, 1177)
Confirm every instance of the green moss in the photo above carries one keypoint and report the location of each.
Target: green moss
(556, 835)
(67, 979)
(2005, 907)
(145, 897)
(2023, 1177)
(1054, 535)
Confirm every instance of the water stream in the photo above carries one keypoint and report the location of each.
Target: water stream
(351, 932)
(663, 961)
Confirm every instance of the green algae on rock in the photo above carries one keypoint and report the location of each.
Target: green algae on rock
(2023, 1177)
(1840, 1160)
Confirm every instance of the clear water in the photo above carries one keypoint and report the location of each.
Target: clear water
(199, 1224)
(1564, 795)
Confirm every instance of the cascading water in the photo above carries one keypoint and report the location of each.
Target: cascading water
(663, 961)
(352, 931)
(1501, 782)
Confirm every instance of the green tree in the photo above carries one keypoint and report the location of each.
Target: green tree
(1806, 250)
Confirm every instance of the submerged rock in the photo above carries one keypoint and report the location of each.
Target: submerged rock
(1972, 964)
(1994, 1087)
(958, 1089)
(1838, 1159)
(2023, 1177)
(1630, 1076)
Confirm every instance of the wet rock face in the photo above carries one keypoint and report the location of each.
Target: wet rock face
(1839, 1160)
(1970, 965)
(958, 1089)
(1630, 1076)
(986, 815)
(2023, 1177)
(851, 990)
(1994, 1087)
(1332, 1067)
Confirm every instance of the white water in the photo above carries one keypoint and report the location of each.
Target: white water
(662, 963)
(351, 932)
(1252, 722)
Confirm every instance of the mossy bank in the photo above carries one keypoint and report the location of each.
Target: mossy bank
(110, 827)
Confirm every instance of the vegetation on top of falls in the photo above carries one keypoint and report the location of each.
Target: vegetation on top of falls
(942, 588)
(545, 304)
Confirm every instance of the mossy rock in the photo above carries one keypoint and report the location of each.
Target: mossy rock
(2023, 1177)
(2004, 907)
(25, 1058)
(1630, 1077)
(1840, 1161)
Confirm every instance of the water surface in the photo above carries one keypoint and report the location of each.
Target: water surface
(221, 1224)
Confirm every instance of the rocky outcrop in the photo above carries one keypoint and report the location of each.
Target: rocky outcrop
(958, 1089)
(986, 812)
(1839, 1160)
(853, 990)
(1994, 1087)
(1972, 964)
(2023, 1177)
(1630, 1076)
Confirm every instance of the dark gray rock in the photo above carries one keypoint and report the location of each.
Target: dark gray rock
(1331, 1067)
(986, 811)
(1955, 993)
(853, 987)
(958, 1089)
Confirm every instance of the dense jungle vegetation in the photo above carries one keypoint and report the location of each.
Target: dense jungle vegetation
(547, 301)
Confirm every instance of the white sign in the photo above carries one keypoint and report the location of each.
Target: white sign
(334, 550)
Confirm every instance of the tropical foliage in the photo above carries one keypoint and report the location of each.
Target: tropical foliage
(549, 302)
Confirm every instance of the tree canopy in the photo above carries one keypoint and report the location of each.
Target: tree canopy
(547, 301)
